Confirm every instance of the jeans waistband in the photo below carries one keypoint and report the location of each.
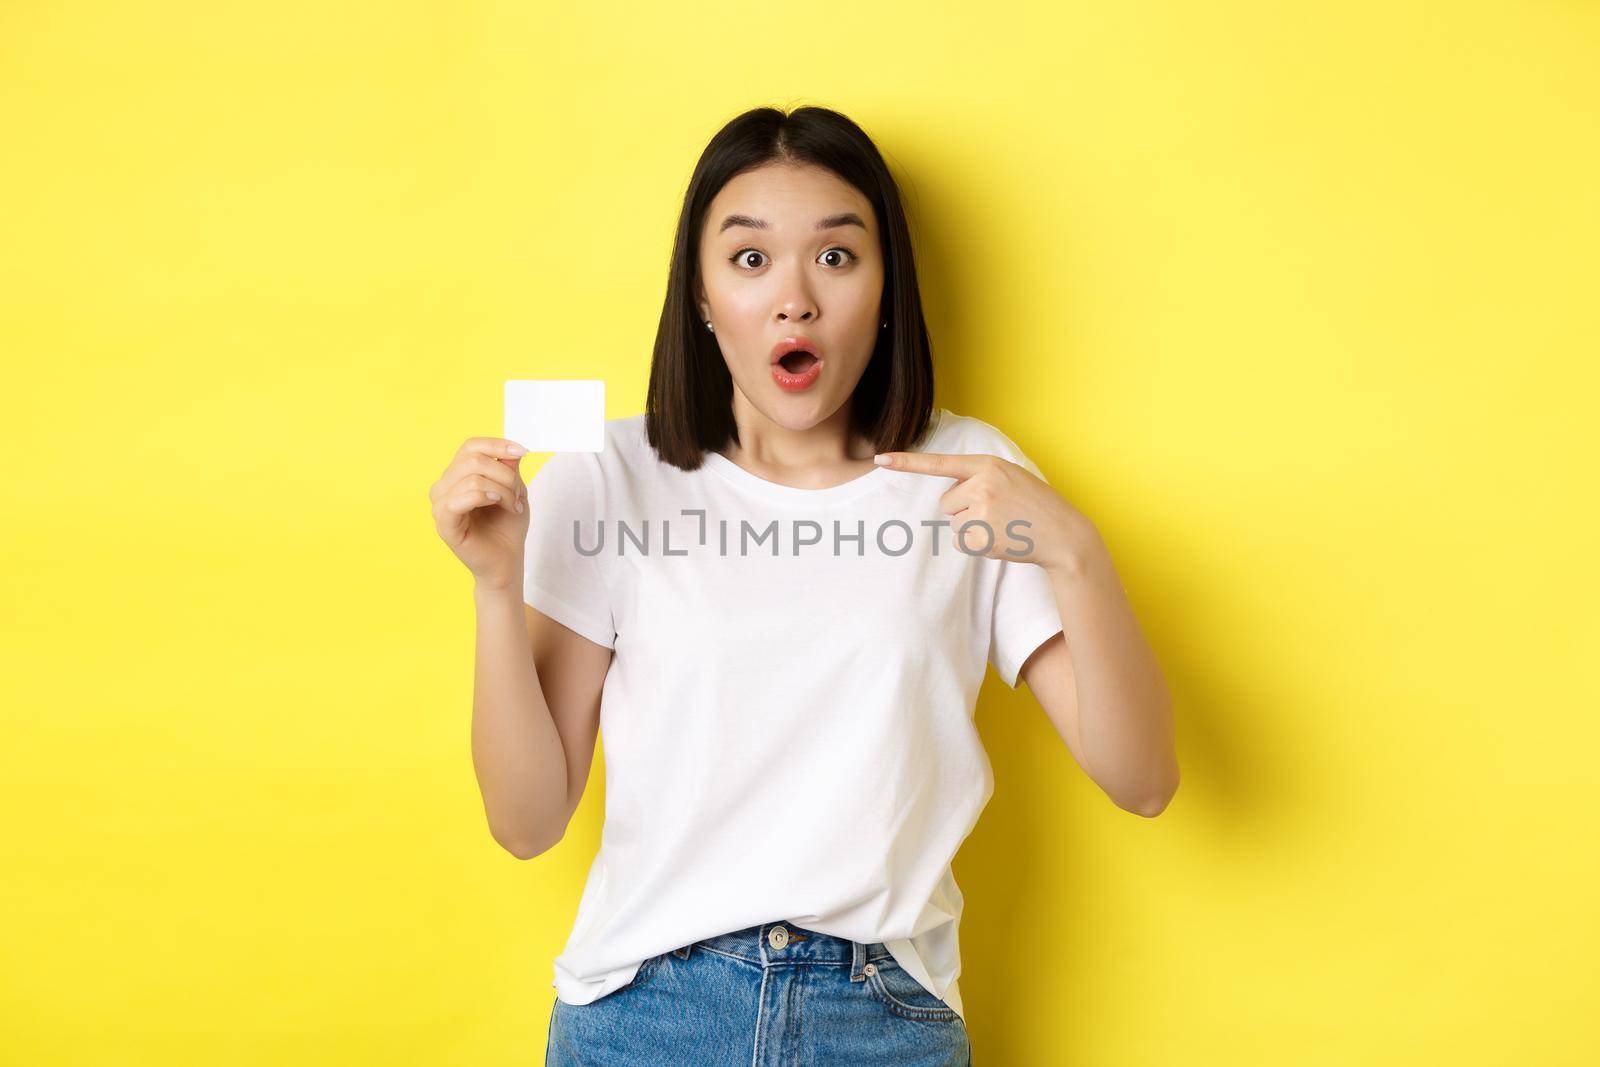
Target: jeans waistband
(781, 943)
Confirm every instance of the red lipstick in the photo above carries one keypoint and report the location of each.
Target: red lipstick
(796, 363)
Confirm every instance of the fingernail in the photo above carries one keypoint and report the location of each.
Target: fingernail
(517, 450)
(882, 459)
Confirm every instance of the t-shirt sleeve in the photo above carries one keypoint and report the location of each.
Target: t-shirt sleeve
(558, 579)
(1024, 613)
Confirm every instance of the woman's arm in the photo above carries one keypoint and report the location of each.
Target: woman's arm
(1099, 681)
(535, 718)
(516, 750)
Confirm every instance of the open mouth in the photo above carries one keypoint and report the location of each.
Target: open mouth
(797, 362)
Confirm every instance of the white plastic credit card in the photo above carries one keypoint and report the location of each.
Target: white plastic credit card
(556, 414)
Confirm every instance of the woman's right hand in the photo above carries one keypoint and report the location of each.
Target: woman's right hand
(480, 508)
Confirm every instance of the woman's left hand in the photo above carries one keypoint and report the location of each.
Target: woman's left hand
(998, 493)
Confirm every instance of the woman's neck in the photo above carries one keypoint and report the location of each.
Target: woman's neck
(816, 457)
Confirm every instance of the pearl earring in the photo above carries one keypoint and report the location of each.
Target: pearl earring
(710, 327)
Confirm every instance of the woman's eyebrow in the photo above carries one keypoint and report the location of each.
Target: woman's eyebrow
(849, 218)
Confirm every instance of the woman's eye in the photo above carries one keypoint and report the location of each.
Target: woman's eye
(738, 258)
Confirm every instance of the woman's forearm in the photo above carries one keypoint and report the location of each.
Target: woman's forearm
(516, 750)
(1124, 708)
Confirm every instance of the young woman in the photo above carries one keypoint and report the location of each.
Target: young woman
(782, 640)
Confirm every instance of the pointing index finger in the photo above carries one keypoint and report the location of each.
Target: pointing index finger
(946, 464)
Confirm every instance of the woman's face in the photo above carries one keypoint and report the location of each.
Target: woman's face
(768, 272)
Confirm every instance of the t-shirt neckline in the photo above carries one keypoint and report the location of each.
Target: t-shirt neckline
(793, 494)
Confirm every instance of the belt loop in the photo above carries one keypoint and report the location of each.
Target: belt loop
(683, 953)
(858, 958)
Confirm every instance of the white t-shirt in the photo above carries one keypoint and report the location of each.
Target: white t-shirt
(787, 721)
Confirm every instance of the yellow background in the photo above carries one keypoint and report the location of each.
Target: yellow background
(1298, 305)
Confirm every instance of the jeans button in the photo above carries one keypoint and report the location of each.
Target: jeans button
(778, 937)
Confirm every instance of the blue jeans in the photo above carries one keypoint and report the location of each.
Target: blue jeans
(774, 995)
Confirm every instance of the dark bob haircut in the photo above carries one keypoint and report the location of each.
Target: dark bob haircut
(689, 405)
